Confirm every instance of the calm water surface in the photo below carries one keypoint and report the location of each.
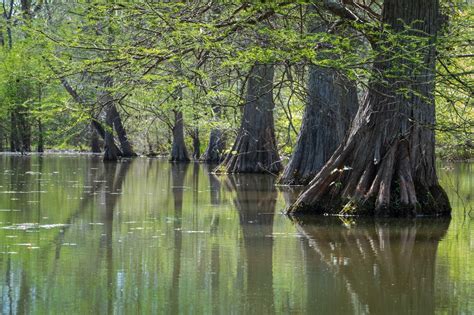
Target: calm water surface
(78, 236)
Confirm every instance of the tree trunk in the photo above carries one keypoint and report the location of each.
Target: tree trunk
(95, 144)
(178, 148)
(24, 129)
(14, 137)
(386, 166)
(1, 139)
(331, 105)
(111, 152)
(215, 148)
(40, 148)
(179, 153)
(125, 145)
(196, 144)
(255, 149)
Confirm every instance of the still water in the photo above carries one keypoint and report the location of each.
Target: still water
(147, 236)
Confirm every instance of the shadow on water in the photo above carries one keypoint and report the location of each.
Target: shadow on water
(255, 200)
(377, 266)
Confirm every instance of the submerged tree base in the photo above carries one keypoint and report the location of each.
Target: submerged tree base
(432, 201)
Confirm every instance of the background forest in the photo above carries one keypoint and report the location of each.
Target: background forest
(69, 69)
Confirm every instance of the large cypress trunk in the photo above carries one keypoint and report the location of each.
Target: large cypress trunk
(179, 153)
(255, 149)
(387, 164)
(331, 105)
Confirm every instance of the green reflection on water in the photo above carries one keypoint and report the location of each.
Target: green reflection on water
(148, 236)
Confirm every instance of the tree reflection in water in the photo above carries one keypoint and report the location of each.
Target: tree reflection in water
(115, 174)
(255, 199)
(386, 266)
(178, 174)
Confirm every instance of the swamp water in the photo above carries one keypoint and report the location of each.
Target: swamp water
(147, 236)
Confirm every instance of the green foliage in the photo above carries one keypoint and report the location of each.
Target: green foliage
(165, 56)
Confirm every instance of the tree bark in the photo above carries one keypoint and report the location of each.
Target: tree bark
(331, 105)
(179, 153)
(255, 149)
(386, 167)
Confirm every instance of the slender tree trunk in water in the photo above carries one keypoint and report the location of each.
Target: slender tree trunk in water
(111, 152)
(386, 166)
(14, 137)
(95, 144)
(216, 146)
(1, 140)
(96, 127)
(24, 130)
(331, 105)
(196, 144)
(125, 145)
(40, 148)
(178, 147)
(255, 149)
(20, 132)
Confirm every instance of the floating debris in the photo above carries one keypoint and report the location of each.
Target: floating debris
(32, 226)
